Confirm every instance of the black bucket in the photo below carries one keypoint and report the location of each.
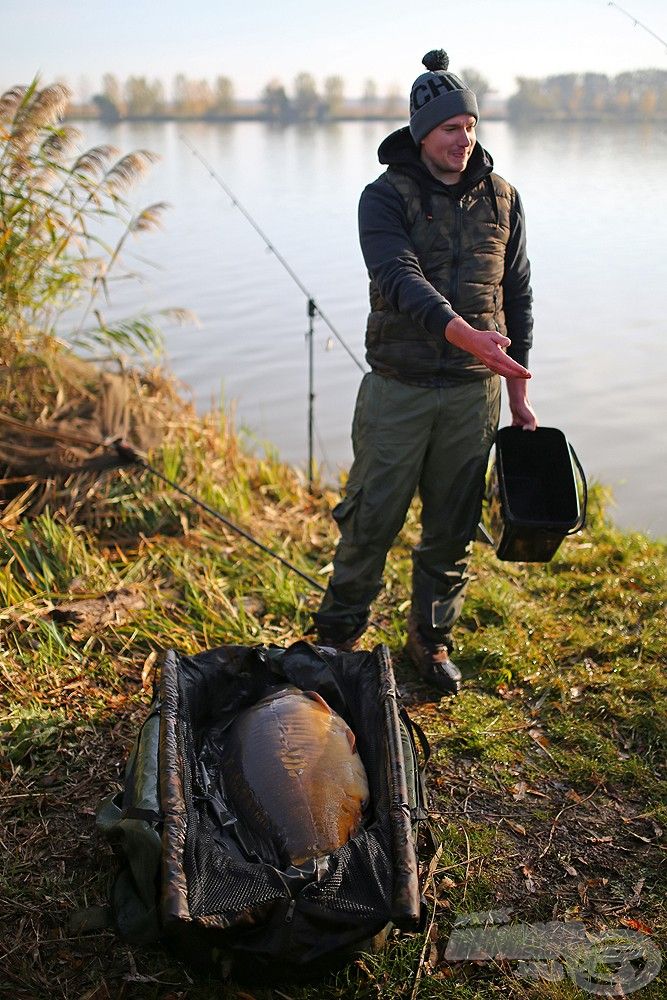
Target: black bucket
(533, 495)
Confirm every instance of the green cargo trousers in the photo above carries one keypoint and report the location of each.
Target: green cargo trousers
(408, 438)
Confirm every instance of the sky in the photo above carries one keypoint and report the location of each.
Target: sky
(254, 41)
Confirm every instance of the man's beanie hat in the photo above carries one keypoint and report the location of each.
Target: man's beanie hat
(438, 95)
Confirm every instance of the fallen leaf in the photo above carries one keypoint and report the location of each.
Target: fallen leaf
(446, 882)
(569, 868)
(636, 925)
(635, 899)
(528, 875)
(147, 670)
(519, 791)
(539, 737)
(516, 827)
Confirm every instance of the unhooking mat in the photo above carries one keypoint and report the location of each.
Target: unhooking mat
(183, 877)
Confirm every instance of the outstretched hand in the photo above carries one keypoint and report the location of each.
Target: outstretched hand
(487, 346)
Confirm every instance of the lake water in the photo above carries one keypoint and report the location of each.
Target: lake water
(596, 208)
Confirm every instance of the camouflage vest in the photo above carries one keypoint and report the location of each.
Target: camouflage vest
(461, 247)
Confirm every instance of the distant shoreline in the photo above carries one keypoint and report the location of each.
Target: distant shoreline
(83, 114)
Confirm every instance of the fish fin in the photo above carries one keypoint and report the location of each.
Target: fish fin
(314, 696)
(259, 845)
(352, 740)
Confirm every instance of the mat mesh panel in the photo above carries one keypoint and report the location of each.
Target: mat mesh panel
(217, 884)
(360, 882)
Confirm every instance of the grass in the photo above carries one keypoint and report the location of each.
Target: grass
(548, 781)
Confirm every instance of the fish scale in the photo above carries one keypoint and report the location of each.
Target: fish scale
(295, 744)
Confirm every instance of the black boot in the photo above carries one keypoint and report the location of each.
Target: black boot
(431, 658)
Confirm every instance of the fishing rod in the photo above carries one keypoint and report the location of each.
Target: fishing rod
(127, 455)
(130, 456)
(637, 23)
(313, 307)
(119, 454)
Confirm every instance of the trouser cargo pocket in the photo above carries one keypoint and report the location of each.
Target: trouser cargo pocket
(346, 514)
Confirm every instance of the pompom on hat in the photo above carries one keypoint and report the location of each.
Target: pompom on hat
(438, 95)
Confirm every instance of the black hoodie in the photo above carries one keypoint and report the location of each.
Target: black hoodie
(393, 263)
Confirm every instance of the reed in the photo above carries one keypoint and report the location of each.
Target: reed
(56, 206)
(65, 223)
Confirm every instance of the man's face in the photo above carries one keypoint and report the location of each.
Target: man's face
(447, 148)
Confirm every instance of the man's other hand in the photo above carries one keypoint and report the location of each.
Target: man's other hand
(523, 414)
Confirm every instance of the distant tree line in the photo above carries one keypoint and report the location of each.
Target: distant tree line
(139, 97)
(640, 93)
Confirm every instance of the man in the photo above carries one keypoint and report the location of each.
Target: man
(443, 239)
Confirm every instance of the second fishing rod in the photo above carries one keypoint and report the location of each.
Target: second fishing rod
(313, 309)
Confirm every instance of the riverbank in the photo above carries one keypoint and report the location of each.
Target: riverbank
(548, 778)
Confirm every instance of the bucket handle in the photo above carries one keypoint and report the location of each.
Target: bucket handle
(581, 520)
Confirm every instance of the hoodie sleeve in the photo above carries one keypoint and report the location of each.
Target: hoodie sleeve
(392, 261)
(517, 294)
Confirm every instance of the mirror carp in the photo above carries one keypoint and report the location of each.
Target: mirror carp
(294, 777)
